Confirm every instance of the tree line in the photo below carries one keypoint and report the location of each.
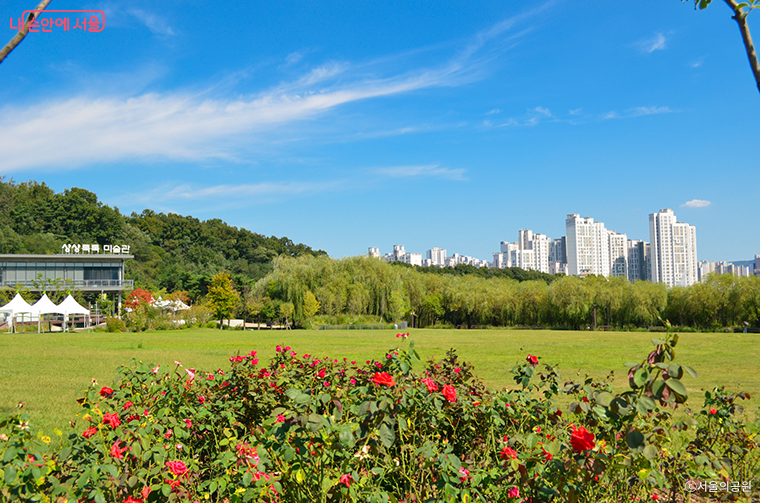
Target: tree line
(371, 287)
(172, 252)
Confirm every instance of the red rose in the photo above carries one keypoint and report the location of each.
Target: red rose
(431, 386)
(508, 453)
(581, 439)
(130, 499)
(532, 359)
(117, 452)
(178, 468)
(346, 479)
(106, 392)
(383, 378)
(713, 411)
(111, 420)
(321, 373)
(89, 432)
(450, 393)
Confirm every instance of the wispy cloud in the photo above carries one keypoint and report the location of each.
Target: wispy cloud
(637, 112)
(533, 117)
(429, 170)
(697, 63)
(153, 22)
(657, 42)
(696, 203)
(195, 126)
(173, 196)
(493, 112)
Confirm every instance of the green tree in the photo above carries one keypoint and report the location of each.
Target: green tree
(310, 305)
(222, 297)
(286, 311)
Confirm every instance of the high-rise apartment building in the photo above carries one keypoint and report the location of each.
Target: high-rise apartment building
(588, 247)
(437, 257)
(374, 252)
(618, 254)
(558, 250)
(529, 252)
(638, 260)
(673, 258)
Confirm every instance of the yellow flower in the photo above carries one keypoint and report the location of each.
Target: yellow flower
(643, 473)
(57, 432)
(45, 439)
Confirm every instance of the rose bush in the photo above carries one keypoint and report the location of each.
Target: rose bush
(305, 428)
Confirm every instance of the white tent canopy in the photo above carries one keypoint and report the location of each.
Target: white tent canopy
(18, 306)
(70, 306)
(45, 306)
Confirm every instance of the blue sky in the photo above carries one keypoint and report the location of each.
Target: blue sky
(345, 125)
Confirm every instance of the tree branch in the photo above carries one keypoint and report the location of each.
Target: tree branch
(22, 33)
(741, 19)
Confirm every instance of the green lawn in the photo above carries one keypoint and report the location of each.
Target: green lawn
(47, 371)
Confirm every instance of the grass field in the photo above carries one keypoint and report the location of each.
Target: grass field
(47, 371)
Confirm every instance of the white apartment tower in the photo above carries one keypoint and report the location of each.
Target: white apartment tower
(618, 254)
(530, 252)
(437, 257)
(588, 247)
(374, 252)
(673, 259)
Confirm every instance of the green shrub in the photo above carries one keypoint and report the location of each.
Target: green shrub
(115, 325)
(304, 429)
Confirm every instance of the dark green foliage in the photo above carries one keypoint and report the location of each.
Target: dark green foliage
(484, 272)
(171, 251)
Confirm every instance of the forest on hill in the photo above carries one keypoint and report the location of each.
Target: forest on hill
(172, 252)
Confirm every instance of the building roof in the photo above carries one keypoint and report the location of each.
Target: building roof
(65, 257)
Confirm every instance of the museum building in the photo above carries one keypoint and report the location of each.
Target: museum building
(88, 268)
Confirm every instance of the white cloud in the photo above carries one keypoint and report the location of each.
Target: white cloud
(696, 203)
(543, 111)
(650, 111)
(577, 111)
(638, 112)
(186, 126)
(658, 42)
(182, 126)
(493, 112)
(293, 58)
(429, 170)
(153, 22)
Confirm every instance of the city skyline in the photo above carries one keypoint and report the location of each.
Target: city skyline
(343, 125)
(606, 252)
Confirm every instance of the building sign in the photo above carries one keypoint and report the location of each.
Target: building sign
(108, 249)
